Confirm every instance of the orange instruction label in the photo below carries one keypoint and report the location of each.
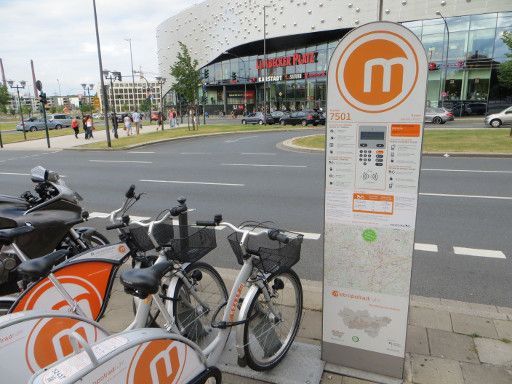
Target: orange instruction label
(405, 130)
(372, 203)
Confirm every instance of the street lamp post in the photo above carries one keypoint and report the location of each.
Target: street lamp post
(18, 87)
(161, 81)
(133, 73)
(148, 89)
(114, 75)
(88, 88)
(100, 64)
(245, 77)
(443, 88)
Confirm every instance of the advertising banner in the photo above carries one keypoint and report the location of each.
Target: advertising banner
(375, 110)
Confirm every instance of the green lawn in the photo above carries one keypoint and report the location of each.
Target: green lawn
(313, 142)
(8, 138)
(486, 140)
(147, 138)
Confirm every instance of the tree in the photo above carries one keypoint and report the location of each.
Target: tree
(145, 105)
(187, 77)
(5, 98)
(125, 108)
(505, 69)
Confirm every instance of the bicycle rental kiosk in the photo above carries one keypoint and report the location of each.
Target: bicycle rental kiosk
(375, 110)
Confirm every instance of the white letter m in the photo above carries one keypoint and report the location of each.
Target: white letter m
(386, 67)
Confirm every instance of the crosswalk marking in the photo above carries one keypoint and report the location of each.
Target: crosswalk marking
(425, 247)
(479, 252)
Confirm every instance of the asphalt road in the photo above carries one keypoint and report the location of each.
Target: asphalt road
(464, 202)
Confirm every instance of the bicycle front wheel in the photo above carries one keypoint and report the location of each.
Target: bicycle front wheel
(194, 312)
(273, 324)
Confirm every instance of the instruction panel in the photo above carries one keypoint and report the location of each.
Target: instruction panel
(375, 111)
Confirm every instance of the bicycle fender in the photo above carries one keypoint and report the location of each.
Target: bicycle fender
(242, 316)
(171, 290)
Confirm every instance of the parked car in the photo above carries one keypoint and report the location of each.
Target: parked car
(301, 117)
(466, 108)
(35, 124)
(258, 118)
(276, 115)
(155, 116)
(321, 119)
(438, 115)
(497, 119)
(61, 121)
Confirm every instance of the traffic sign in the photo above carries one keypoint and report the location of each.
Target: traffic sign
(375, 110)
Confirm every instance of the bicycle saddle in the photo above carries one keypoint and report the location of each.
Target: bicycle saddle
(40, 267)
(144, 282)
(7, 236)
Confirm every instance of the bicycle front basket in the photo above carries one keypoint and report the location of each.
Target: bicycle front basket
(191, 243)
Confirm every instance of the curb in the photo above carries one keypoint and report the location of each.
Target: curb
(184, 138)
(289, 146)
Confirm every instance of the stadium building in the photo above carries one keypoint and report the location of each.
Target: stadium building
(288, 54)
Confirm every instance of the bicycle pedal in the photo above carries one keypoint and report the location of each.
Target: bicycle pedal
(242, 362)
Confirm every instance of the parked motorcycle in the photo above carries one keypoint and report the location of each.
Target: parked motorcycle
(52, 212)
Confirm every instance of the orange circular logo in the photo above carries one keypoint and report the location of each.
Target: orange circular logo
(49, 341)
(377, 71)
(159, 361)
(122, 248)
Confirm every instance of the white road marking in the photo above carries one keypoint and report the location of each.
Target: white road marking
(141, 152)
(240, 138)
(468, 196)
(309, 236)
(121, 161)
(479, 252)
(98, 215)
(195, 153)
(266, 165)
(425, 247)
(462, 170)
(259, 153)
(14, 174)
(192, 182)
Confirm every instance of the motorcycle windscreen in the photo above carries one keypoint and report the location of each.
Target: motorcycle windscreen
(29, 344)
(87, 282)
(160, 361)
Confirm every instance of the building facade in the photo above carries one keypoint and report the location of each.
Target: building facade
(237, 64)
(129, 97)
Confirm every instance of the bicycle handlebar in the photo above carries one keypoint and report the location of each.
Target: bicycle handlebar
(131, 192)
(275, 234)
(176, 211)
(114, 226)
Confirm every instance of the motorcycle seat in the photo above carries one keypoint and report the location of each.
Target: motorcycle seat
(144, 282)
(8, 235)
(36, 268)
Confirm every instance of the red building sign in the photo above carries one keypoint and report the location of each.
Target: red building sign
(285, 61)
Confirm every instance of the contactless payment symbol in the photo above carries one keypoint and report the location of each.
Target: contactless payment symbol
(377, 71)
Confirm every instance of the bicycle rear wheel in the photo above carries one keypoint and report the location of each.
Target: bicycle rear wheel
(267, 338)
(193, 320)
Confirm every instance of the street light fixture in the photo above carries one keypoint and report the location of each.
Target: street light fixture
(21, 85)
(245, 77)
(443, 88)
(161, 80)
(113, 75)
(88, 88)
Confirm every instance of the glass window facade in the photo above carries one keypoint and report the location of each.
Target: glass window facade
(464, 61)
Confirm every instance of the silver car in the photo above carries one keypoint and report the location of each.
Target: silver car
(35, 124)
(61, 120)
(437, 115)
(497, 119)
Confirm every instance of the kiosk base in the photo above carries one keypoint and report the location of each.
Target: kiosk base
(302, 364)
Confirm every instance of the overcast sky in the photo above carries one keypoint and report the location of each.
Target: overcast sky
(59, 36)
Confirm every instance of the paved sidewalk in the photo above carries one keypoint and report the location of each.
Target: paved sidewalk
(70, 141)
(448, 342)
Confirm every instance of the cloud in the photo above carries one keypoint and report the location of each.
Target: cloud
(59, 35)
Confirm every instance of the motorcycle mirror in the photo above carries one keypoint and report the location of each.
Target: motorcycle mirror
(38, 174)
(85, 215)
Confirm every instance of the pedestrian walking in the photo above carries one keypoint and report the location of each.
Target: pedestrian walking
(75, 125)
(175, 122)
(136, 118)
(127, 120)
(84, 125)
(170, 115)
(90, 127)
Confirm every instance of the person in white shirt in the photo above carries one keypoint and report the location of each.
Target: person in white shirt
(128, 124)
(137, 121)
